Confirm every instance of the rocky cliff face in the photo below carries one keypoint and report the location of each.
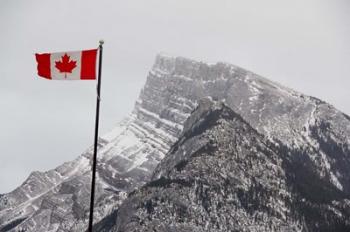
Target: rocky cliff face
(315, 136)
(223, 175)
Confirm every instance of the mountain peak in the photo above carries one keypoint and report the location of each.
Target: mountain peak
(240, 109)
(190, 68)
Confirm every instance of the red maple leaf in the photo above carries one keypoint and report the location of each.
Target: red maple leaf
(65, 65)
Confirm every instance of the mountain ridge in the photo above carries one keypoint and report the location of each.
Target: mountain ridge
(226, 162)
(131, 151)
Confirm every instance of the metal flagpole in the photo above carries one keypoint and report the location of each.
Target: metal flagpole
(92, 196)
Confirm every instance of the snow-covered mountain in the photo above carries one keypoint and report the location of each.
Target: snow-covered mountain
(314, 135)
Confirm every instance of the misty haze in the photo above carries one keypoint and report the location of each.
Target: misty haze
(214, 116)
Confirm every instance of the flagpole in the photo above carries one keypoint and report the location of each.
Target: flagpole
(92, 196)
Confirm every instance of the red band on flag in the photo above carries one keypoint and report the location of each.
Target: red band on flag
(88, 64)
(44, 69)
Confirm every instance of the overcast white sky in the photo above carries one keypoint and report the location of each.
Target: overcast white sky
(303, 44)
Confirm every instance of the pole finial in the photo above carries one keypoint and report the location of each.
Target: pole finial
(101, 41)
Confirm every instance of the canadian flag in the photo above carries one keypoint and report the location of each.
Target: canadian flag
(76, 65)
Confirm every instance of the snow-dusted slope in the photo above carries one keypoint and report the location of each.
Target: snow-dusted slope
(222, 175)
(57, 200)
